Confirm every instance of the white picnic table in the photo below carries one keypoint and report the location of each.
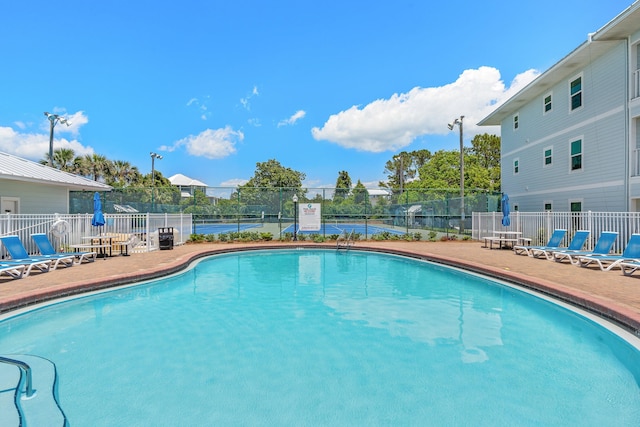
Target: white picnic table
(505, 239)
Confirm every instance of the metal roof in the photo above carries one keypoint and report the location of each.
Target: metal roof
(15, 168)
(185, 181)
(623, 25)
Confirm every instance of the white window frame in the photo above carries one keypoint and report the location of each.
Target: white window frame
(571, 201)
(516, 160)
(7, 199)
(545, 203)
(571, 80)
(515, 121)
(544, 157)
(571, 141)
(544, 103)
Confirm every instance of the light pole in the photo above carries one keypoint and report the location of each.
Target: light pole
(295, 217)
(451, 126)
(54, 119)
(154, 156)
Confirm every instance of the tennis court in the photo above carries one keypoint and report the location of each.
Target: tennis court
(227, 227)
(339, 228)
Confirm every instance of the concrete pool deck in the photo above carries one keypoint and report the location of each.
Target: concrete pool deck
(609, 294)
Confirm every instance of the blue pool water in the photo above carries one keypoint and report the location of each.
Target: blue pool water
(320, 337)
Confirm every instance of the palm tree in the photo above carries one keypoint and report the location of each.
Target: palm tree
(95, 166)
(122, 174)
(62, 159)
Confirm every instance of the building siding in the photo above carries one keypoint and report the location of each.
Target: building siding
(601, 126)
(37, 198)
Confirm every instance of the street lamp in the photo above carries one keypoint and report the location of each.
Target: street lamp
(54, 119)
(295, 217)
(451, 126)
(154, 156)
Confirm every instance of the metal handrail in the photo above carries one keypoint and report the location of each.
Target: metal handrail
(349, 238)
(25, 367)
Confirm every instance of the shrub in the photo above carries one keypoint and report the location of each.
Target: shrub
(432, 236)
(266, 236)
(196, 238)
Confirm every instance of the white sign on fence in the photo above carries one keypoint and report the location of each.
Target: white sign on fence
(309, 215)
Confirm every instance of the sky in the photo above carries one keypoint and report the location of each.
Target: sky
(216, 87)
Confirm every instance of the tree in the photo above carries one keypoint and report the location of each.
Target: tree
(62, 159)
(343, 186)
(403, 168)
(122, 174)
(486, 153)
(94, 166)
(360, 194)
(264, 188)
(271, 174)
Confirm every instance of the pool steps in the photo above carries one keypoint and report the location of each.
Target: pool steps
(42, 408)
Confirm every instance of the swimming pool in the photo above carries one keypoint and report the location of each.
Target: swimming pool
(321, 337)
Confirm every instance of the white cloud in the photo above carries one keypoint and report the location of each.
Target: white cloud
(246, 104)
(293, 119)
(392, 124)
(212, 144)
(201, 105)
(35, 145)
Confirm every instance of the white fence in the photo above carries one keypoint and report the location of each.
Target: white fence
(539, 226)
(143, 225)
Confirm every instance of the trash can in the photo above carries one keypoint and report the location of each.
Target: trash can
(165, 238)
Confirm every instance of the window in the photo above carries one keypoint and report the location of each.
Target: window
(548, 157)
(575, 206)
(576, 155)
(547, 103)
(547, 206)
(516, 166)
(575, 91)
(515, 122)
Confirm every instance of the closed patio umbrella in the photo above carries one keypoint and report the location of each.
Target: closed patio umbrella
(506, 221)
(98, 218)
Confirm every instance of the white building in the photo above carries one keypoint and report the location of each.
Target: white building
(571, 138)
(187, 185)
(28, 187)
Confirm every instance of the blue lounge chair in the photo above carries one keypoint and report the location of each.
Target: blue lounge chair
(19, 255)
(46, 248)
(606, 262)
(603, 247)
(553, 243)
(576, 244)
(629, 267)
(13, 270)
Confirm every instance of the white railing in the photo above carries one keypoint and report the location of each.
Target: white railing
(538, 226)
(143, 225)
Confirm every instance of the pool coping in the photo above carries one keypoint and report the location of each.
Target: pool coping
(602, 307)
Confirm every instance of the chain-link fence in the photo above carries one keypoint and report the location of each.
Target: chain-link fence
(218, 210)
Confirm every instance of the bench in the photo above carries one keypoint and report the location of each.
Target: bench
(501, 241)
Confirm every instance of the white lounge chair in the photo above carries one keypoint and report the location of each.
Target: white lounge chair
(19, 255)
(15, 270)
(603, 247)
(576, 244)
(553, 243)
(606, 262)
(46, 249)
